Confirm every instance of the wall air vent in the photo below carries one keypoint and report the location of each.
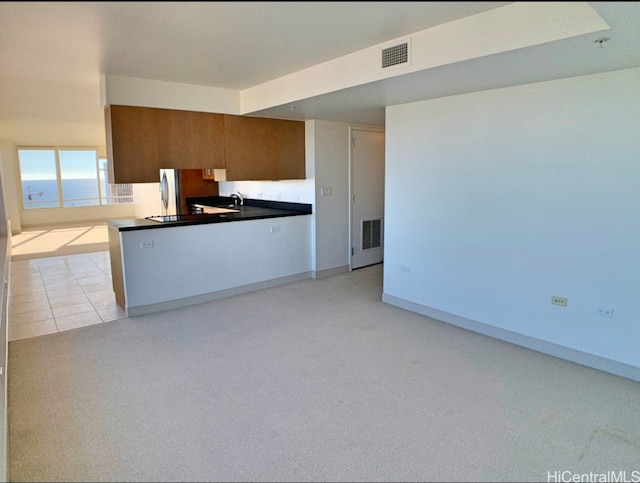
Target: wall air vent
(395, 55)
(371, 234)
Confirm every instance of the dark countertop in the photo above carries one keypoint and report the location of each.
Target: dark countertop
(250, 210)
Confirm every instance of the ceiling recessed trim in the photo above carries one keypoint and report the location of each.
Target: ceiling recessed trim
(515, 26)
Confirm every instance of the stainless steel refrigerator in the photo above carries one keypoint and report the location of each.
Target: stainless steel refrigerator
(170, 192)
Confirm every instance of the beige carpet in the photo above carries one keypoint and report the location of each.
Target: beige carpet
(312, 381)
(55, 241)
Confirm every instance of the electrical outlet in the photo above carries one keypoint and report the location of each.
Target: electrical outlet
(404, 268)
(561, 301)
(274, 229)
(604, 311)
(146, 244)
(325, 191)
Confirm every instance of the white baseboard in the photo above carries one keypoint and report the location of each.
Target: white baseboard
(579, 357)
(220, 294)
(329, 272)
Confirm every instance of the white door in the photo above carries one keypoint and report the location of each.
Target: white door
(367, 197)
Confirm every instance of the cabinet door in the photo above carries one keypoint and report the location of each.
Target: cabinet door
(263, 149)
(190, 140)
(132, 144)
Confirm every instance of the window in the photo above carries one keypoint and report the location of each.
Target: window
(67, 177)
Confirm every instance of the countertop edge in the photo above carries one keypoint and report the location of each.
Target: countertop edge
(256, 210)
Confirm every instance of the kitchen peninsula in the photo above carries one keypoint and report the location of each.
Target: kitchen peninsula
(160, 265)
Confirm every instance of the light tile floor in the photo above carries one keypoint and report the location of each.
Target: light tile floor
(48, 295)
(58, 240)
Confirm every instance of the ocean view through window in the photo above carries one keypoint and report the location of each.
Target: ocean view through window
(66, 178)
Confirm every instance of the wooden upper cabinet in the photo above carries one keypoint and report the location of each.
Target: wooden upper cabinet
(132, 144)
(263, 149)
(141, 140)
(189, 139)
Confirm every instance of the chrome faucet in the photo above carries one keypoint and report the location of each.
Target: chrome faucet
(237, 199)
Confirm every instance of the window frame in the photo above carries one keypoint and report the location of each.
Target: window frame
(100, 154)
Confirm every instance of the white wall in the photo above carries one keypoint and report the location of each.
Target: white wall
(9, 185)
(130, 91)
(147, 199)
(296, 191)
(78, 214)
(39, 133)
(332, 211)
(497, 200)
(5, 222)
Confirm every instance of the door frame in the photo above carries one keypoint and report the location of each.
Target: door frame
(356, 127)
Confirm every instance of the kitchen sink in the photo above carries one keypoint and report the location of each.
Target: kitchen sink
(211, 210)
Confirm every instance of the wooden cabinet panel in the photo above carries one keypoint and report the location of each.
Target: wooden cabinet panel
(141, 140)
(263, 149)
(117, 275)
(132, 144)
(189, 139)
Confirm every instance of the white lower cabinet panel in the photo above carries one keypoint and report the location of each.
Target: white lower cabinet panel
(186, 263)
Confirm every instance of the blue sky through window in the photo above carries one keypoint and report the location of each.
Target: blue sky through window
(37, 164)
(40, 164)
(78, 164)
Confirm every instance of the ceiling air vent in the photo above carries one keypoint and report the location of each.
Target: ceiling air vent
(396, 55)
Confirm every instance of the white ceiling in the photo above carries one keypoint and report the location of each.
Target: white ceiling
(53, 53)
